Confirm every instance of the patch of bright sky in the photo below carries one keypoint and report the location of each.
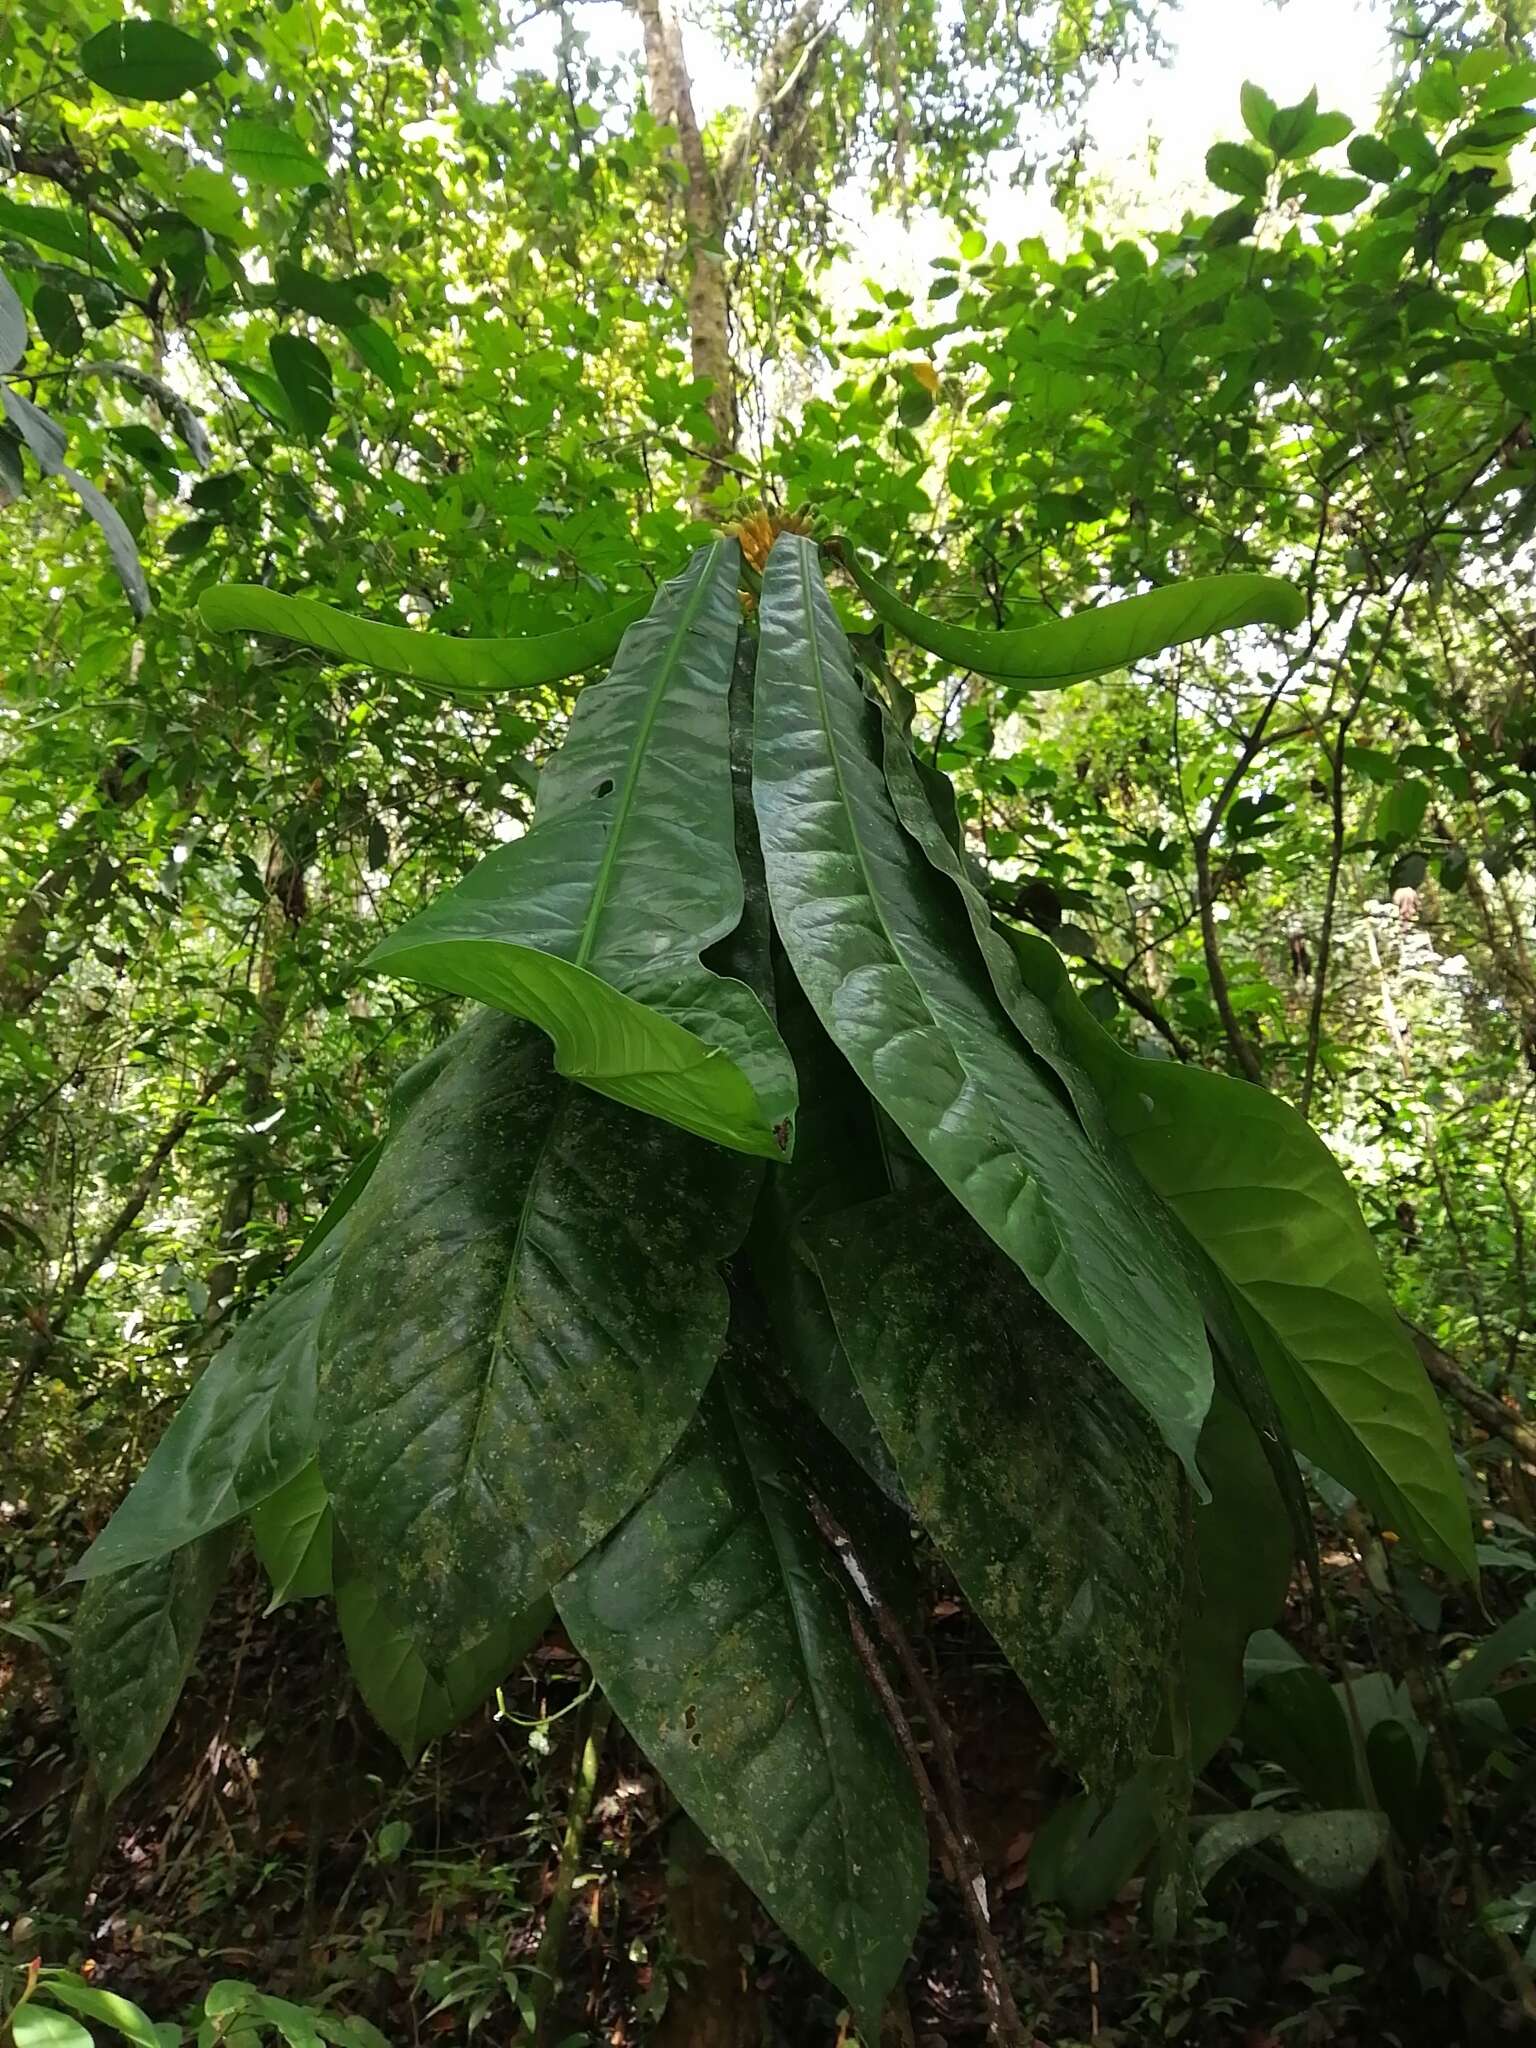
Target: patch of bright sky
(1150, 126)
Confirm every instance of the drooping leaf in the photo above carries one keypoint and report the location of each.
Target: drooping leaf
(714, 1622)
(1261, 1193)
(1295, 1718)
(881, 945)
(378, 351)
(303, 369)
(13, 326)
(470, 670)
(246, 1429)
(412, 1704)
(1043, 1484)
(120, 542)
(292, 1532)
(148, 60)
(524, 1317)
(260, 148)
(591, 926)
(97, 2003)
(135, 1637)
(1092, 642)
(1334, 1852)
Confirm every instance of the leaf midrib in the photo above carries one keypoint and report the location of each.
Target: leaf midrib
(666, 668)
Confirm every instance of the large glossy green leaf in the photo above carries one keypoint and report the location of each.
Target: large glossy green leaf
(147, 60)
(1255, 1186)
(268, 152)
(880, 942)
(412, 1704)
(1090, 643)
(135, 1637)
(292, 1532)
(525, 1315)
(246, 1429)
(471, 670)
(714, 1622)
(838, 1163)
(1044, 1485)
(592, 925)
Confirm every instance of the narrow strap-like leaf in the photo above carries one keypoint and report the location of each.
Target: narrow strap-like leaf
(713, 1622)
(1042, 1482)
(1091, 642)
(592, 926)
(880, 943)
(527, 1310)
(469, 669)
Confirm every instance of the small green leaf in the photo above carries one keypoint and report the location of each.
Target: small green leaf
(109, 2007)
(262, 150)
(13, 326)
(57, 321)
(1323, 192)
(1370, 156)
(304, 372)
(379, 353)
(1238, 169)
(39, 2026)
(1259, 112)
(148, 60)
(1290, 126)
(1402, 811)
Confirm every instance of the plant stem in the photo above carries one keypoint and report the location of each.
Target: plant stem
(590, 1734)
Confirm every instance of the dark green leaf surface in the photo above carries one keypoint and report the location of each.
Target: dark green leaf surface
(1260, 1192)
(1092, 642)
(526, 1313)
(1042, 1483)
(304, 371)
(136, 1635)
(147, 60)
(13, 326)
(292, 1532)
(411, 1704)
(469, 669)
(246, 1429)
(881, 945)
(712, 1620)
(592, 925)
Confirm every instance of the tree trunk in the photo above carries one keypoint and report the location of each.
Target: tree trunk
(671, 96)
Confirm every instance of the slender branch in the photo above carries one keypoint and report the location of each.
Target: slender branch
(949, 1812)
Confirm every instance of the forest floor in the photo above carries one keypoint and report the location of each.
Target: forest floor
(278, 1838)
